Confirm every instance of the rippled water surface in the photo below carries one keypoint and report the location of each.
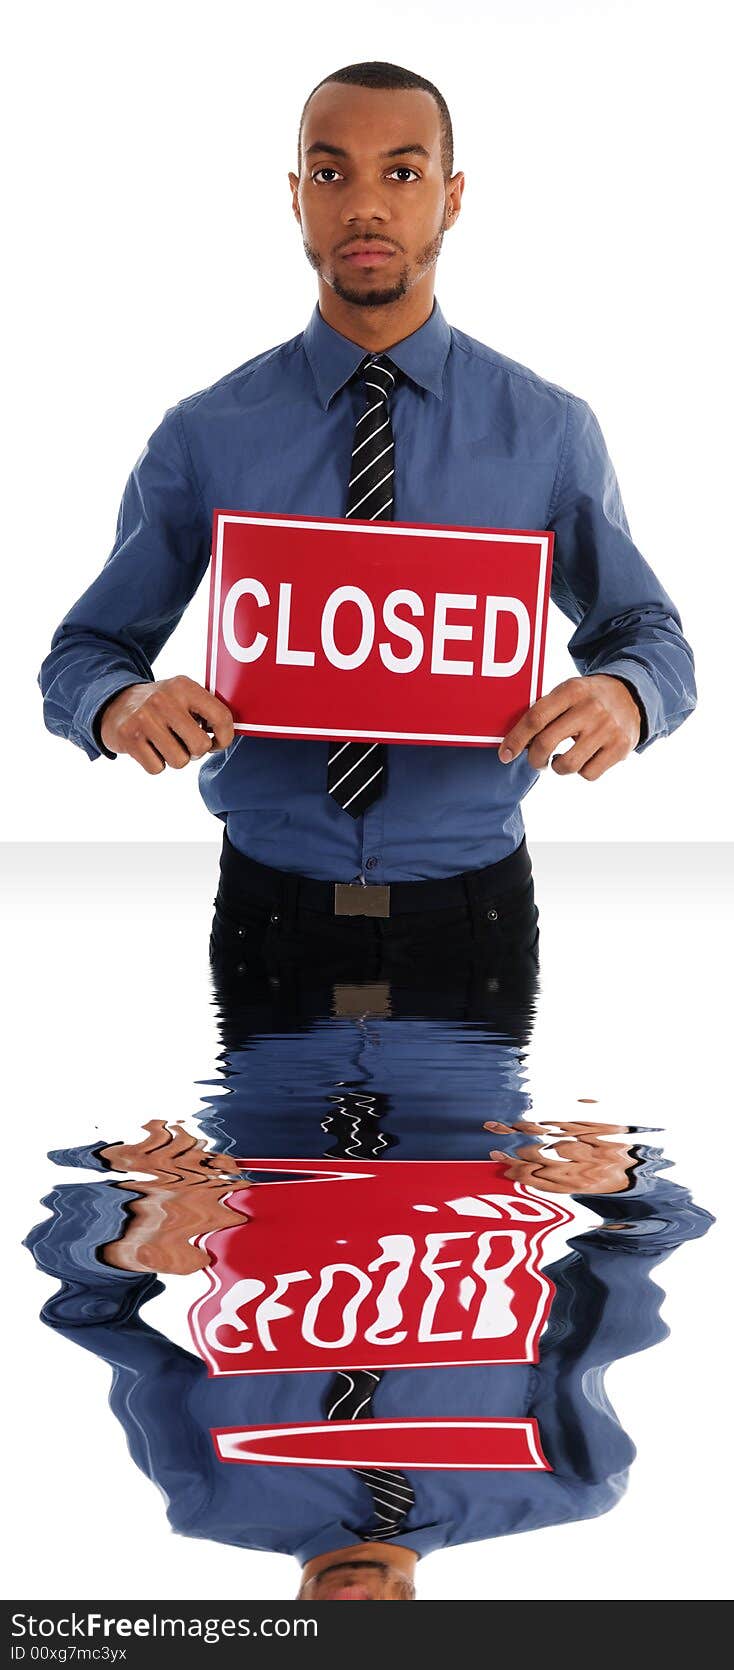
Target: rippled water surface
(339, 1262)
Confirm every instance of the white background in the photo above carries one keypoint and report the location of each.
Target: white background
(154, 249)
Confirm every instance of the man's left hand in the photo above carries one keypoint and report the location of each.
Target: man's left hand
(598, 712)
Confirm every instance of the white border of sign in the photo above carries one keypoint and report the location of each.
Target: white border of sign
(541, 541)
(230, 1445)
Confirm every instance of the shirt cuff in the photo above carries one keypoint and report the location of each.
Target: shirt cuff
(646, 693)
(95, 696)
(88, 1156)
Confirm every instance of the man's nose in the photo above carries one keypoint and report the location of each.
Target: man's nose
(363, 204)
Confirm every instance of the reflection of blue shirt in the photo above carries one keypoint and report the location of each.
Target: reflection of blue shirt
(605, 1307)
(278, 1084)
(480, 441)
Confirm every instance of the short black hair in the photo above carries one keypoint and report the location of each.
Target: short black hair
(393, 76)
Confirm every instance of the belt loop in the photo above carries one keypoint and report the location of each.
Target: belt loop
(471, 888)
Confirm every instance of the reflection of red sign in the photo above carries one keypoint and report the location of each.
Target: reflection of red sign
(406, 1264)
(407, 633)
(479, 1444)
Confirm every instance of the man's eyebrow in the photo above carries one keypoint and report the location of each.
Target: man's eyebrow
(399, 150)
(338, 150)
(352, 1565)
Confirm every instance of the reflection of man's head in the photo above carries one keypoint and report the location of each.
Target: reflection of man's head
(358, 1580)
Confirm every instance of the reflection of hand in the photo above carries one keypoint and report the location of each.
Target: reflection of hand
(169, 1150)
(182, 1199)
(586, 1130)
(159, 1227)
(587, 1165)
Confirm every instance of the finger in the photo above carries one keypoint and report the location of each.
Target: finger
(136, 744)
(542, 713)
(595, 1138)
(157, 1134)
(602, 761)
(160, 736)
(595, 1127)
(215, 714)
(534, 1152)
(575, 1148)
(584, 749)
(519, 1125)
(156, 1138)
(185, 729)
(180, 1142)
(542, 746)
(514, 1168)
(548, 1185)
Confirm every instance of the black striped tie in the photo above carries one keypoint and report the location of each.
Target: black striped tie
(350, 1399)
(357, 771)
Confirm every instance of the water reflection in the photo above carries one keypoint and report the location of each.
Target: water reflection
(407, 1314)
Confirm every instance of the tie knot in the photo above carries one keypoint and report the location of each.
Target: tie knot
(380, 375)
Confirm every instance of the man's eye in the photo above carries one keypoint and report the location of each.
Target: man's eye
(402, 168)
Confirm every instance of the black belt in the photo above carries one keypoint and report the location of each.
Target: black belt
(242, 876)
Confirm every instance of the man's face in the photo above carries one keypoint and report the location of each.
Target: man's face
(372, 201)
(357, 1580)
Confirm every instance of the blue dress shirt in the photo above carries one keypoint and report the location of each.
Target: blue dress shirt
(480, 441)
(606, 1307)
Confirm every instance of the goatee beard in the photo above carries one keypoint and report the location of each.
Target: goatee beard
(377, 298)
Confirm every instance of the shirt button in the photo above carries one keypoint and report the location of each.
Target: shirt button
(371, 862)
(275, 916)
(492, 915)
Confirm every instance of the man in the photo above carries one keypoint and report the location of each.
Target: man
(381, 410)
(104, 1242)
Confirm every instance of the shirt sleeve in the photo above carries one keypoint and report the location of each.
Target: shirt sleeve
(97, 1306)
(606, 1307)
(626, 624)
(113, 633)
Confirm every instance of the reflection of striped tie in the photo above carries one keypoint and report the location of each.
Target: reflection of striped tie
(349, 1395)
(349, 1399)
(357, 771)
(353, 1122)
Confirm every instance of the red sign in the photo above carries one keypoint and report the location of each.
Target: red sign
(391, 631)
(406, 1264)
(480, 1444)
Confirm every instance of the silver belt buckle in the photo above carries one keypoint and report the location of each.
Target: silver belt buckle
(357, 898)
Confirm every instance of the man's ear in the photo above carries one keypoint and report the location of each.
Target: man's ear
(294, 183)
(453, 204)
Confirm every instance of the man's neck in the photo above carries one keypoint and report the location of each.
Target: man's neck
(378, 328)
(393, 1554)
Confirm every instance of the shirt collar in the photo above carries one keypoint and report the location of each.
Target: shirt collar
(334, 358)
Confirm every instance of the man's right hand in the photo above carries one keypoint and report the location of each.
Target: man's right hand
(166, 723)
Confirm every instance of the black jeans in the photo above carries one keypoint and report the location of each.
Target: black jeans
(261, 925)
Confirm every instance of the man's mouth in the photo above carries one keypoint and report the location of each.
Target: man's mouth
(367, 255)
